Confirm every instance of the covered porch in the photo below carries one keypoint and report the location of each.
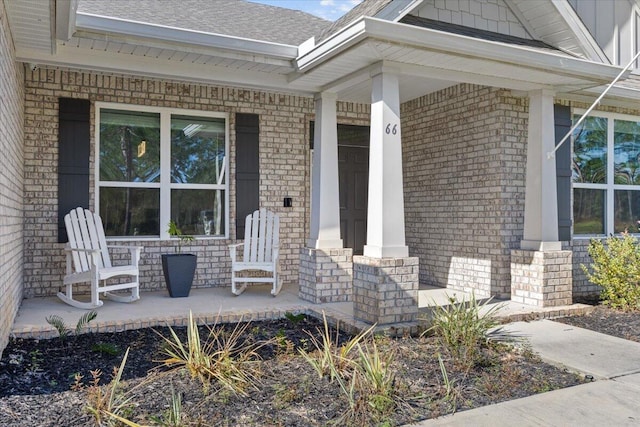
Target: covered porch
(484, 107)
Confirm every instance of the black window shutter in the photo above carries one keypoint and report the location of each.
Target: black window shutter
(73, 158)
(563, 171)
(247, 168)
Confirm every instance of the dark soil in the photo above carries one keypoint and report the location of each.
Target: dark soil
(610, 322)
(48, 382)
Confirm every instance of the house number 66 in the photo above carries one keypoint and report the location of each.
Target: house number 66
(391, 130)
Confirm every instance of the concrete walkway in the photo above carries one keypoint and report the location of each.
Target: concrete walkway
(612, 400)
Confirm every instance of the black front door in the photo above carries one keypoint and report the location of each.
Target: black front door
(353, 170)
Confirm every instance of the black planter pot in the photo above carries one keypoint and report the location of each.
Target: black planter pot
(179, 270)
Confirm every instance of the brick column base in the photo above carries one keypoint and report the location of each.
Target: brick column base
(541, 279)
(326, 275)
(385, 290)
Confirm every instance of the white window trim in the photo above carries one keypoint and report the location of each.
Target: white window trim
(165, 184)
(609, 186)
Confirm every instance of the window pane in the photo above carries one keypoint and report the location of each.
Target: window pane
(197, 150)
(627, 211)
(129, 146)
(130, 211)
(590, 150)
(588, 211)
(626, 146)
(198, 212)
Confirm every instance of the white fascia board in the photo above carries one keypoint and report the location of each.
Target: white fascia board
(97, 23)
(424, 38)
(65, 18)
(337, 43)
(583, 36)
(125, 64)
(397, 9)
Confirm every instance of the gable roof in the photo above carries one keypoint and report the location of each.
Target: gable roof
(475, 32)
(365, 8)
(236, 18)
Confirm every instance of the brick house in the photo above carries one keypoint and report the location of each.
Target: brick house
(407, 143)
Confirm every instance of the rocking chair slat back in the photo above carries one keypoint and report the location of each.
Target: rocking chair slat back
(261, 251)
(88, 261)
(86, 233)
(260, 236)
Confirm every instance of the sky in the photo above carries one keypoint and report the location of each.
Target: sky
(327, 9)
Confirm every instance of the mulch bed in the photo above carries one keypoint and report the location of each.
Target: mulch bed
(37, 377)
(609, 321)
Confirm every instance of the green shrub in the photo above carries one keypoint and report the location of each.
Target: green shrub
(615, 267)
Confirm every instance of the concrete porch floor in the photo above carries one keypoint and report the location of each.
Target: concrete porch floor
(212, 305)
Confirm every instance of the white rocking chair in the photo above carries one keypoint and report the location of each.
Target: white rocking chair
(88, 252)
(261, 252)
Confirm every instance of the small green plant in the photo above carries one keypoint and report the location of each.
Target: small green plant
(105, 348)
(36, 357)
(295, 318)
(174, 231)
(463, 327)
(63, 330)
(615, 267)
(224, 358)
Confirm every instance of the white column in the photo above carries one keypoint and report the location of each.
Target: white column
(325, 202)
(385, 215)
(541, 204)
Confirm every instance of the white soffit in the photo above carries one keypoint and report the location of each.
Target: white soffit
(30, 22)
(556, 23)
(445, 56)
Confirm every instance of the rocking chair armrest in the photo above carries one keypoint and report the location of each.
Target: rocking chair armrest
(232, 250)
(133, 250)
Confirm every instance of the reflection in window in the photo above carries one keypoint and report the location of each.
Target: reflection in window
(588, 211)
(627, 211)
(606, 203)
(197, 150)
(626, 148)
(147, 177)
(130, 211)
(590, 150)
(199, 212)
(129, 146)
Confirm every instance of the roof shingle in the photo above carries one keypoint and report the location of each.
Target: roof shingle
(237, 18)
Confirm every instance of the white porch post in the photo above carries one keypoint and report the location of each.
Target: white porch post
(385, 216)
(326, 267)
(325, 202)
(541, 272)
(540, 205)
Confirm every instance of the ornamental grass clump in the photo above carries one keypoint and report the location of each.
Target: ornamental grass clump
(223, 358)
(463, 327)
(363, 373)
(615, 267)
